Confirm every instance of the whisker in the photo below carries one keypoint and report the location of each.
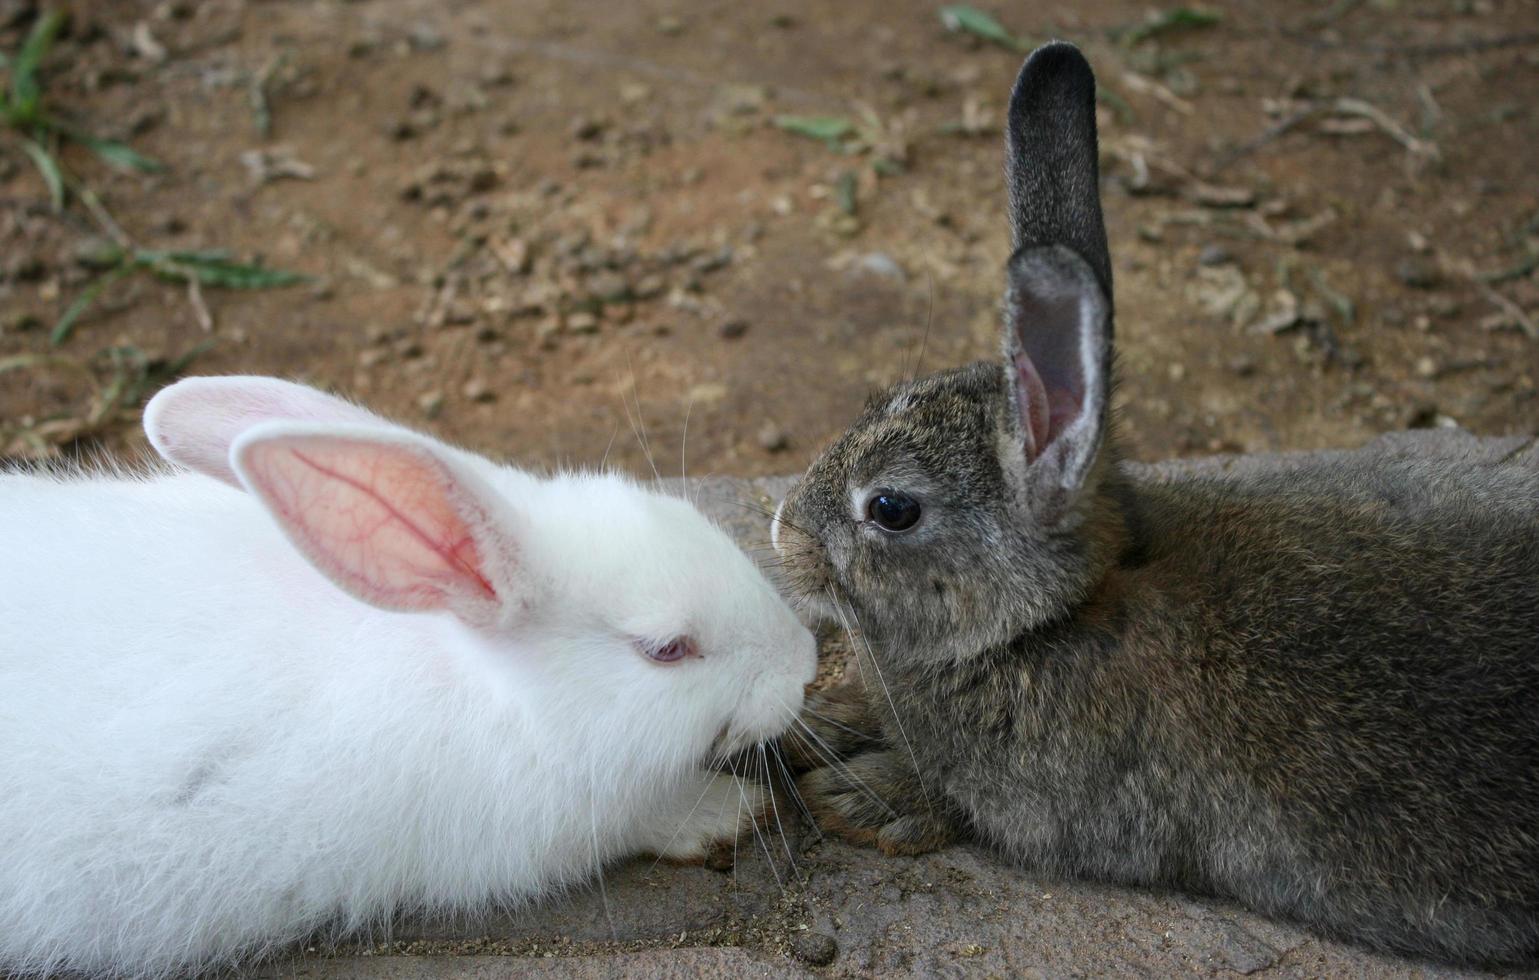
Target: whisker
(614, 933)
(604, 462)
(833, 600)
(753, 821)
(682, 824)
(775, 807)
(929, 318)
(790, 781)
(638, 423)
(826, 754)
(827, 720)
(918, 776)
(684, 451)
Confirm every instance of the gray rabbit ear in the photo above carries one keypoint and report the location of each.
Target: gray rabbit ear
(1058, 301)
(1051, 166)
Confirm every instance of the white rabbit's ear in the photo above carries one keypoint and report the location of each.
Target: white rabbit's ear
(390, 517)
(194, 422)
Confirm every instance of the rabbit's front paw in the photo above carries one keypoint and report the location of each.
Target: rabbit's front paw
(834, 725)
(876, 798)
(708, 821)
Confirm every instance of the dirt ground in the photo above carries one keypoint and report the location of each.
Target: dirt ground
(558, 232)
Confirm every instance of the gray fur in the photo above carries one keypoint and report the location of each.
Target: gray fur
(1314, 690)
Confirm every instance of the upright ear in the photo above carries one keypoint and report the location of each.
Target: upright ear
(1058, 306)
(195, 422)
(389, 516)
(1051, 165)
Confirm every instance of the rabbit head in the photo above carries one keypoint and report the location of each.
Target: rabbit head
(623, 606)
(965, 507)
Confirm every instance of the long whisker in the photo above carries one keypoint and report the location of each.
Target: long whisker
(603, 463)
(829, 721)
(614, 933)
(918, 776)
(753, 822)
(682, 824)
(775, 807)
(684, 451)
(638, 423)
(790, 782)
(929, 318)
(826, 754)
(833, 600)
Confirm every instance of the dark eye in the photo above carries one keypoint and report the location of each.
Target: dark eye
(893, 511)
(671, 652)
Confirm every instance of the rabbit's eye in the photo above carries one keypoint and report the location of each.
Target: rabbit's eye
(893, 511)
(671, 652)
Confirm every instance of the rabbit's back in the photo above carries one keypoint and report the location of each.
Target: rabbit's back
(1314, 687)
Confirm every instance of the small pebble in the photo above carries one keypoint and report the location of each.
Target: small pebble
(585, 128)
(772, 438)
(732, 329)
(424, 38)
(582, 323)
(479, 391)
(431, 403)
(608, 287)
(1214, 254)
(881, 264)
(815, 948)
(1417, 273)
(650, 287)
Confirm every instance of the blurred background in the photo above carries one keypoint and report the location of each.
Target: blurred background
(566, 232)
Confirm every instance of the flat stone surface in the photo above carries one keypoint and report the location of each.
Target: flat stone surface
(798, 905)
(661, 964)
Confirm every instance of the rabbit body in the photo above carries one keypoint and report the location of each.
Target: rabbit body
(208, 749)
(1312, 688)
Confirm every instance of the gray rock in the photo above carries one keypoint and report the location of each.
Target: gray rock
(655, 964)
(881, 264)
(1417, 272)
(1214, 254)
(815, 948)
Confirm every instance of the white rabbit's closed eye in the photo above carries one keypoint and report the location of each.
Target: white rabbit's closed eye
(334, 667)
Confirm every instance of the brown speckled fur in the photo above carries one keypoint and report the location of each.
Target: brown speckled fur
(1315, 691)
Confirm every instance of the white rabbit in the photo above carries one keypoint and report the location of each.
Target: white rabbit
(392, 675)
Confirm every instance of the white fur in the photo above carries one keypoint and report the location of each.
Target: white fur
(209, 750)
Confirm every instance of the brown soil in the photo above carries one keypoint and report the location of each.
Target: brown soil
(558, 232)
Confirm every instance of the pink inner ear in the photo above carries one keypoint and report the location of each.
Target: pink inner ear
(380, 518)
(1045, 412)
(1032, 403)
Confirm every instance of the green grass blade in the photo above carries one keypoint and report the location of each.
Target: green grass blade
(49, 168)
(90, 294)
(1180, 18)
(215, 270)
(120, 155)
(828, 129)
(971, 20)
(25, 90)
(23, 362)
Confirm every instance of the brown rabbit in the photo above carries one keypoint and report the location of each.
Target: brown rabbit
(1313, 689)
